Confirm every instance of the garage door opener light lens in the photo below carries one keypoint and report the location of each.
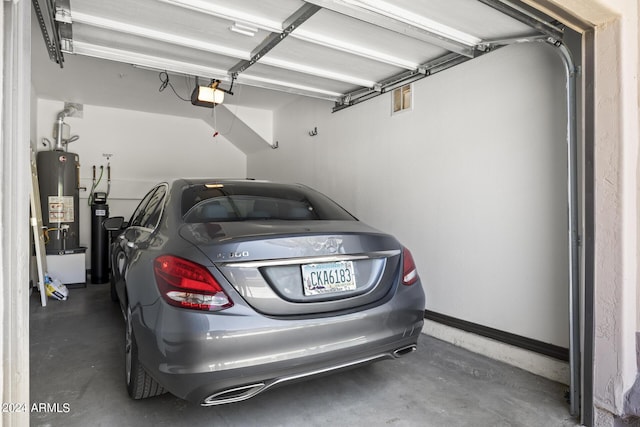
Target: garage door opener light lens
(209, 96)
(205, 96)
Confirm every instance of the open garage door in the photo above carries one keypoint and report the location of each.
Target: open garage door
(345, 51)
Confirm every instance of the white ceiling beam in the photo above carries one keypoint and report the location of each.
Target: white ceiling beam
(386, 15)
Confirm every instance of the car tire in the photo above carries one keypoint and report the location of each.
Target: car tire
(140, 384)
(114, 293)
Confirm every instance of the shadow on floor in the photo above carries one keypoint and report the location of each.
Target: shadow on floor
(77, 372)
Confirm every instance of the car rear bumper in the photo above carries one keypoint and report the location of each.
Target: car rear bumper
(242, 388)
(216, 358)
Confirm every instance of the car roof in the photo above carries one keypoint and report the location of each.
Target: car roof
(190, 182)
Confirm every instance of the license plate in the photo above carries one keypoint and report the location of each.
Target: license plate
(328, 277)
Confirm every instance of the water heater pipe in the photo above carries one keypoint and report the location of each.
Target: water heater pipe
(68, 111)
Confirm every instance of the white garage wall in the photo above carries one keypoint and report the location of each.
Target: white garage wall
(472, 181)
(147, 148)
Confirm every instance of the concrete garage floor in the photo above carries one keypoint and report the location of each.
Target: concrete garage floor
(77, 367)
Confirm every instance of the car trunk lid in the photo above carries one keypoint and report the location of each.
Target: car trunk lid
(296, 268)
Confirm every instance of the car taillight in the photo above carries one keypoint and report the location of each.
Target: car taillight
(409, 270)
(186, 284)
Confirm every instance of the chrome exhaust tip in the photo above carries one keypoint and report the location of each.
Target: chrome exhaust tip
(403, 351)
(236, 394)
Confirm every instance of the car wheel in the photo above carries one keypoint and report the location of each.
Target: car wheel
(140, 385)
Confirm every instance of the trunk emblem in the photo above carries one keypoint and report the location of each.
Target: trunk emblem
(331, 245)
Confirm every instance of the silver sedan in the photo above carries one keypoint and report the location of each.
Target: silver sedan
(231, 287)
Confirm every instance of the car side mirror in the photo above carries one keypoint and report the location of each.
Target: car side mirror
(114, 223)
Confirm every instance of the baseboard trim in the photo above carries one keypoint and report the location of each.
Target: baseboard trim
(525, 343)
(538, 364)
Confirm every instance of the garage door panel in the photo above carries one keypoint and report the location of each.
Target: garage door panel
(271, 13)
(128, 43)
(309, 57)
(296, 79)
(359, 37)
(469, 16)
(158, 17)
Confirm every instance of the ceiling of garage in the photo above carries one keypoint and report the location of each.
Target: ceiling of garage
(345, 51)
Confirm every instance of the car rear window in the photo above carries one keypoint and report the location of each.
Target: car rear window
(257, 201)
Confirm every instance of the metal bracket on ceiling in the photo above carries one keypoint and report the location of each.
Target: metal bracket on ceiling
(527, 15)
(293, 22)
(554, 41)
(63, 11)
(490, 45)
(424, 70)
(63, 21)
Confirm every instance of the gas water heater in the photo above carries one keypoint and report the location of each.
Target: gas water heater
(59, 184)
